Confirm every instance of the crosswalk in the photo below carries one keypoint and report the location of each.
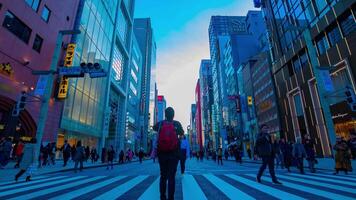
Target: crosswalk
(196, 187)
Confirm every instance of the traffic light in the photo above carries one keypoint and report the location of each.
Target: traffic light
(94, 70)
(351, 98)
(20, 104)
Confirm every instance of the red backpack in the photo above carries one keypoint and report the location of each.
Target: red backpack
(167, 137)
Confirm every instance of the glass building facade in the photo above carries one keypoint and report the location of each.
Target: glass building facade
(102, 35)
(332, 28)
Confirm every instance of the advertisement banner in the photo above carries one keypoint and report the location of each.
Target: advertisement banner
(68, 61)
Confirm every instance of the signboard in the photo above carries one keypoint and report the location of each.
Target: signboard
(249, 100)
(68, 61)
(69, 71)
(328, 83)
(6, 69)
(238, 106)
(41, 85)
(97, 74)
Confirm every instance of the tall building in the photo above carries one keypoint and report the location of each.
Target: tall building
(132, 137)
(198, 118)
(206, 97)
(95, 109)
(219, 30)
(27, 41)
(193, 128)
(312, 43)
(144, 34)
(161, 107)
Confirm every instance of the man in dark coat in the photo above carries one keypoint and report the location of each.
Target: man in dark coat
(264, 147)
(66, 150)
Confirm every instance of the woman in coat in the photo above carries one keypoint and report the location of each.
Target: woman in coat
(79, 156)
(111, 155)
(342, 157)
(27, 160)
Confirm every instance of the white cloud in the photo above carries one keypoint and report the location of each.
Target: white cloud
(179, 56)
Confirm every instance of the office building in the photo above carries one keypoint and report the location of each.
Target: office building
(161, 107)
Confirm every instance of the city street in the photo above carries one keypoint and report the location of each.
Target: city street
(203, 180)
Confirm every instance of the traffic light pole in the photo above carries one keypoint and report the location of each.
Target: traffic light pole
(325, 106)
(48, 89)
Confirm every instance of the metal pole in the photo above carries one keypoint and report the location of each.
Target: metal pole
(48, 90)
(321, 89)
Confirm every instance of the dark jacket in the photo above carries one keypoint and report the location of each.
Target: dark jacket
(111, 154)
(79, 154)
(264, 145)
(309, 148)
(299, 150)
(286, 149)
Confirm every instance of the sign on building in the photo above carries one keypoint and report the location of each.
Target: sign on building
(68, 61)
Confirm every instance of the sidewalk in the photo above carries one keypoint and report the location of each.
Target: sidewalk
(323, 163)
(9, 172)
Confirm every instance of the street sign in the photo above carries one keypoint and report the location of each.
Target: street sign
(41, 85)
(328, 83)
(97, 74)
(70, 71)
(68, 61)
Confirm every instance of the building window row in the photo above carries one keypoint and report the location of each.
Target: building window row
(35, 4)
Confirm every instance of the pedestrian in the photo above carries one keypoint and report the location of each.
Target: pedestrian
(87, 153)
(197, 155)
(287, 153)
(226, 154)
(111, 155)
(66, 151)
(299, 154)
(184, 153)
(213, 156)
(153, 155)
(19, 153)
(168, 152)
(220, 154)
(5, 152)
(309, 148)
(79, 157)
(201, 154)
(342, 156)
(140, 155)
(27, 160)
(265, 151)
(103, 155)
(93, 154)
(249, 153)
(121, 157)
(279, 155)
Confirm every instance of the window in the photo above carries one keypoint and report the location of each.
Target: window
(303, 59)
(46, 13)
(322, 45)
(348, 25)
(334, 35)
(37, 44)
(17, 27)
(34, 4)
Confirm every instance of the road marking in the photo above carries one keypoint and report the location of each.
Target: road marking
(310, 190)
(35, 178)
(120, 190)
(9, 192)
(318, 183)
(191, 189)
(323, 179)
(77, 193)
(279, 194)
(55, 189)
(226, 188)
(152, 192)
(30, 182)
(334, 176)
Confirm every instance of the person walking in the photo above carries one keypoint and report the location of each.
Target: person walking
(279, 155)
(153, 155)
(220, 155)
(352, 145)
(184, 153)
(111, 155)
(264, 148)
(309, 148)
(299, 153)
(168, 152)
(66, 151)
(79, 157)
(342, 156)
(226, 154)
(286, 151)
(19, 153)
(87, 153)
(249, 153)
(27, 160)
(141, 155)
(121, 157)
(103, 155)
(5, 151)
(93, 155)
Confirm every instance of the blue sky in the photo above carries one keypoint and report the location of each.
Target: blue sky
(181, 33)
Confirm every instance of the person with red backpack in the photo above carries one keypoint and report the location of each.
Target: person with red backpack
(168, 151)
